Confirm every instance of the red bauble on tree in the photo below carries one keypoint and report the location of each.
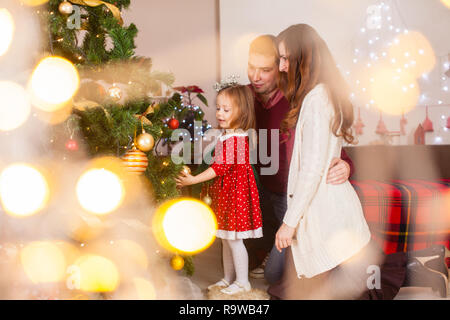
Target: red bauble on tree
(72, 145)
(173, 123)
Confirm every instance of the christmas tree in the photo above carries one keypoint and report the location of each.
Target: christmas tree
(122, 107)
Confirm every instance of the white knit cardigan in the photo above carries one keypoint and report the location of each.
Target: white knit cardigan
(329, 221)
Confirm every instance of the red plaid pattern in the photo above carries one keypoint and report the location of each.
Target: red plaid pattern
(405, 215)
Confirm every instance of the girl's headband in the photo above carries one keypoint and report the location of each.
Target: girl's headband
(230, 81)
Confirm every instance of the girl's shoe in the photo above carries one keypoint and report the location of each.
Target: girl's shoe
(236, 287)
(220, 283)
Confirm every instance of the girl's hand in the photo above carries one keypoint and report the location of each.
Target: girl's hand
(185, 179)
(283, 238)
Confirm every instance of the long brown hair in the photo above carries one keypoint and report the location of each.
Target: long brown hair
(242, 97)
(311, 63)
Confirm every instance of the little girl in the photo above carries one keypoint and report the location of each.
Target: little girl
(234, 193)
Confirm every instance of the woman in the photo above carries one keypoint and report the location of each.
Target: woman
(330, 251)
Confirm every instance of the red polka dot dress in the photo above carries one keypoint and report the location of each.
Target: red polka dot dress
(234, 193)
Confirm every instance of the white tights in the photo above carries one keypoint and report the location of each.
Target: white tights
(235, 261)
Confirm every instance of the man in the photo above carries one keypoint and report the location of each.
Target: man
(271, 107)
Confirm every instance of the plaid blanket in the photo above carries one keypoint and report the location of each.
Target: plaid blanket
(406, 215)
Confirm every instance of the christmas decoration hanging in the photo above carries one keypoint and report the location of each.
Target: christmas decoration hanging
(115, 93)
(177, 262)
(381, 127)
(173, 123)
(145, 141)
(95, 3)
(143, 117)
(419, 135)
(403, 122)
(186, 170)
(359, 125)
(448, 123)
(207, 199)
(135, 161)
(65, 8)
(72, 145)
(427, 124)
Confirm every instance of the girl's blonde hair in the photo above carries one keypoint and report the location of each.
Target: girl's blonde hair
(242, 97)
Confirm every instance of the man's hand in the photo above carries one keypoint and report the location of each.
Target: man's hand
(339, 171)
(283, 238)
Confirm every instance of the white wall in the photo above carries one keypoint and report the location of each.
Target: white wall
(181, 37)
(338, 22)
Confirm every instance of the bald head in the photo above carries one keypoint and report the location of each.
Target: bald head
(265, 45)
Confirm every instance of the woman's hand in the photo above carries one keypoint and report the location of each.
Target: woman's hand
(283, 238)
(185, 179)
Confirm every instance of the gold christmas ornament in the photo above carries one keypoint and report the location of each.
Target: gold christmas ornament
(145, 142)
(135, 161)
(177, 262)
(207, 199)
(65, 8)
(95, 3)
(115, 93)
(186, 170)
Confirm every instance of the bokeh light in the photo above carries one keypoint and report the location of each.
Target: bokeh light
(54, 82)
(413, 52)
(23, 190)
(394, 92)
(132, 252)
(33, 3)
(97, 274)
(55, 117)
(100, 191)
(70, 251)
(446, 3)
(6, 30)
(185, 225)
(129, 256)
(84, 227)
(14, 106)
(144, 289)
(43, 262)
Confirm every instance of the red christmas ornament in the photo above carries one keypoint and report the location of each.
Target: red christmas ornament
(448, 123)
(427, 124)
(173, 123)
(72, 145)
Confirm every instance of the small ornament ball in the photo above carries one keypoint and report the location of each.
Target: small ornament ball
(207, 199)
(65, 7)
(173, 123)
(186, 170)
(72, 145)
(135, 161)
(145, 142)
(115, 93)
(177, 263)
